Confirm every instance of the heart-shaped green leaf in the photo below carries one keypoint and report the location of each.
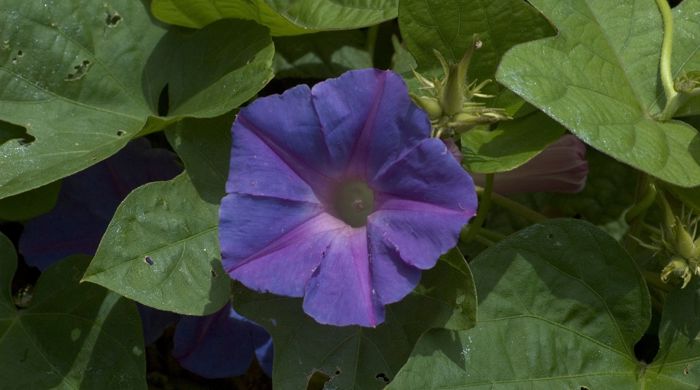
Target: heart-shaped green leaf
(161, 249)
(283, 17)
(353, 357)
(71, 335)
(599, 78)
(82, 78)
(561, 305)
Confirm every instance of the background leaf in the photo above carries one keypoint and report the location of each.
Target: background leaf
(30, 204)
(510, 145)
(71, 336)
(428, 25)
(95, 72)
(283, 17)
(353, 357)
(686, 47)
(152, 250)
(599, 78)
(561, 305)
(321, 55)
(204, 145)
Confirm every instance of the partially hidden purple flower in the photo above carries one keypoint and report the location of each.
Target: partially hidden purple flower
(87, 201)
(337, 194)
(221, 345)
(561, 167)
(216, 346)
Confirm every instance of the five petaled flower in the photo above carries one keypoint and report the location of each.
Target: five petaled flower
(337, 194)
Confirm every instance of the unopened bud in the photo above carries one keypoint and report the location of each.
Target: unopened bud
(429, 105)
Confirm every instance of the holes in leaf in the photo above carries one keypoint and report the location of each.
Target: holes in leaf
(317, 380)
(214, 274)
(79, 71)
(550, 236)
(382, 377)
(10, 131)
(113, 19)
(120, 133)
(647, 347)
(148, 260)
(164, 101)
(585, 388)
(20, 54)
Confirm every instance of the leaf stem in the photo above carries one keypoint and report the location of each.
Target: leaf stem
(516, 207)
(371, 43)
(673, 98)
(491, 234)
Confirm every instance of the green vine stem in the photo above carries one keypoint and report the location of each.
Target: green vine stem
(516, 207)
(371, 43)
(673, 99)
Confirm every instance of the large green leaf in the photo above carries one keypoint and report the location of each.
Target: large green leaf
(677, 364)
(161, 249)
(204, 145)
(355, 357)
(561, 306)
(428, 25)
(283, 17)
(82, 78)
(509, 146)
(599, 78)
(686, 47)
(71, 336)
(30, 204)
(321, 55)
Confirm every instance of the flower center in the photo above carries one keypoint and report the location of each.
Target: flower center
(353, 202)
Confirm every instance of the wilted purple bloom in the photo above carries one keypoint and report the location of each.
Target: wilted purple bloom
(86, 203)
(337, 194)
(561, 167)
(221, 345)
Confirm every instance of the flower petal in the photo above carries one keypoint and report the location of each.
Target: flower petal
(419, 232)
(257, 169)
(289, 126)
(428, 173)
(392, 277)
(216, 346)
(264, 351)
(368, 118)
(261, 236)
(340, 292)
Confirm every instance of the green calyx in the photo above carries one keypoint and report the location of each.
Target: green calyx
(450, 103)
(678, 239)
(353, 202)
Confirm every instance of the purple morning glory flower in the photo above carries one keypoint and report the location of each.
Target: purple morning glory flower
(337, 194)
(215, 346)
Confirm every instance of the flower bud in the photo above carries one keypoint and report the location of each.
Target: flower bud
(561, 167)
(429, 105)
